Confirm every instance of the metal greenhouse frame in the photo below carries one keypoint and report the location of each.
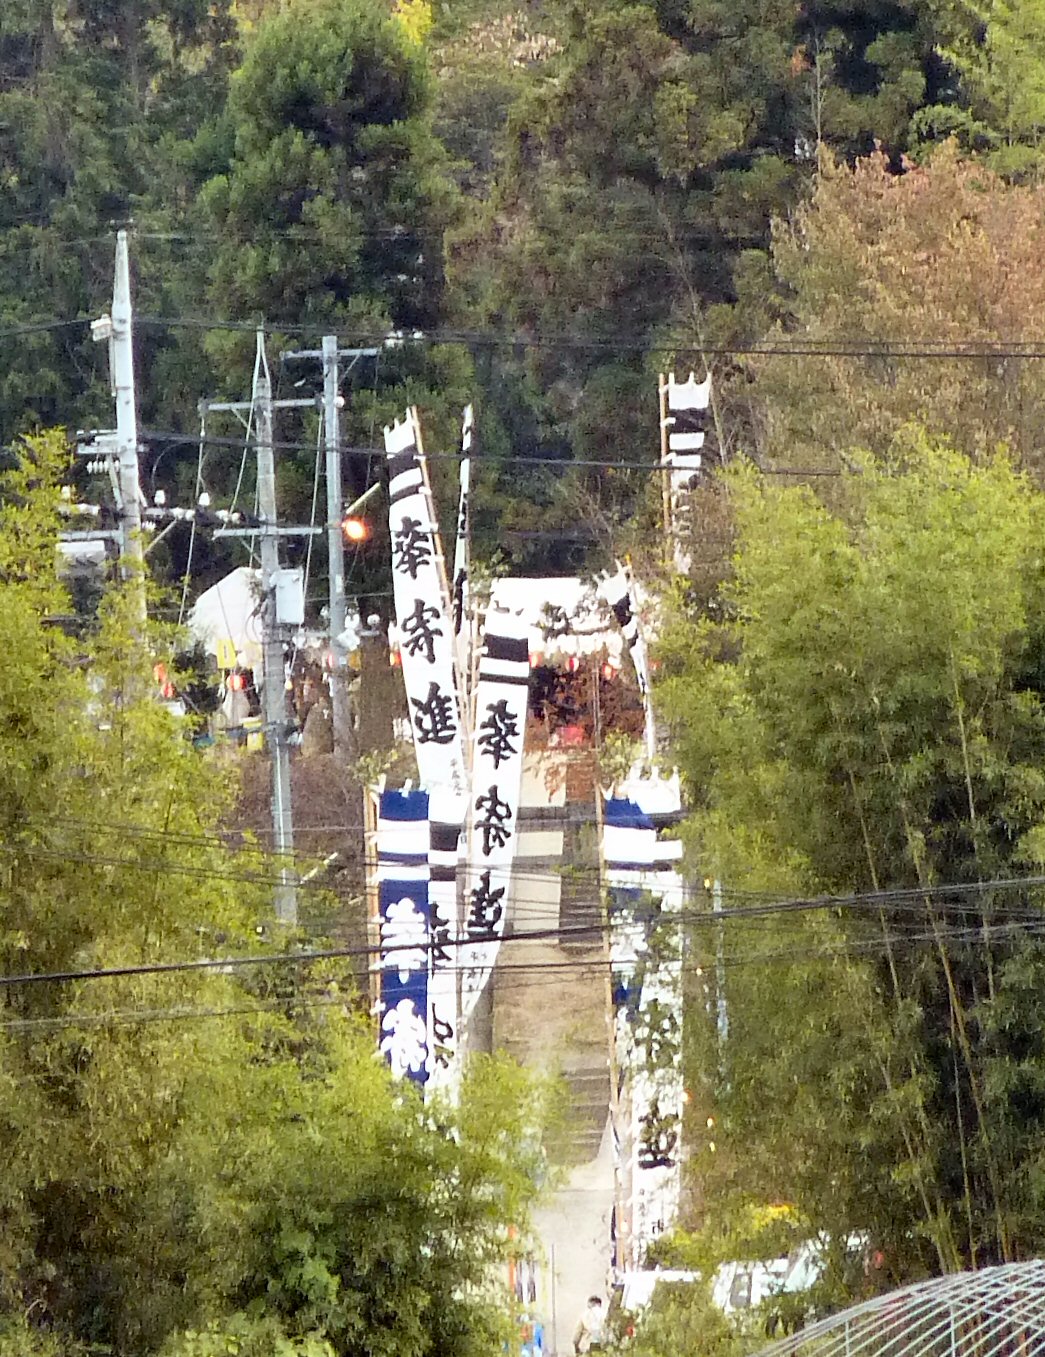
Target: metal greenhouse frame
(996, 1312)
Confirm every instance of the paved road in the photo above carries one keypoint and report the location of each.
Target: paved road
(574, 1229)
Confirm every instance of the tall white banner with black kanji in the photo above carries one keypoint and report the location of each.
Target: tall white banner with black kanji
(402, 877)
(645, 900)
(427, 652)
(423, 618)
(502, 693)
(462, 633)
(443, 857)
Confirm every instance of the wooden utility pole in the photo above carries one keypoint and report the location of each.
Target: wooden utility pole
(335, 546)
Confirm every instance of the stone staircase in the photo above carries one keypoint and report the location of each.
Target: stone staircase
(551, 1013)
(588, 1081)
(580, 903)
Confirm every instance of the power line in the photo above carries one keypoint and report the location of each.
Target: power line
(1029, 923)
(857, 347)
(861, 347)
(493, 463)
(520, 976)
(40, 327)
(593, 875)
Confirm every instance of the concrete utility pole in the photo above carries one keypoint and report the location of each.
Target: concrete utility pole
(117, 328)
(274, 703)
(332, 403)
(273, 675)
(335, 544)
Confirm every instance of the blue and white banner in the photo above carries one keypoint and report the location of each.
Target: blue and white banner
(402, 875)
(428, 652)
(501, 702)
(645, 900)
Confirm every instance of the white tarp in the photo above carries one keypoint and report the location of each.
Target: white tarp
(231, 611)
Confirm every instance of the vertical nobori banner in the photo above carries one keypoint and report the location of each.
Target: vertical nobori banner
(628, 843)
(684, 418)
(443, 859)
(423, 618)
(402, 872)
(645, 901)
(619, 593)
(427, 652)
(502, 694)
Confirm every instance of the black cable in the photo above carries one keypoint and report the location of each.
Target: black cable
(520, 977)
(40, 327)
(1029, 924)
(798, 348)
(860, 348)
(506, 463)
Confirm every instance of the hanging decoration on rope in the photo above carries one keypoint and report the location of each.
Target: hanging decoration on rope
(645, 900)
(405, 921)
(493, 811)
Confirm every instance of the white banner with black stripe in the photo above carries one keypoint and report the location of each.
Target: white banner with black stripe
(686, 421)
(443, 860)
(686, 416)
(502, 693)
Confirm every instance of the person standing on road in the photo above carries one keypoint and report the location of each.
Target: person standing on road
(588, 1335)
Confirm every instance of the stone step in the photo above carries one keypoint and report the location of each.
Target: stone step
(589, 1089)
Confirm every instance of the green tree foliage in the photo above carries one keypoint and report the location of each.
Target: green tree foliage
(197, 1159)
(98, 103)
(682, 1318)
(645, 158)
(997, 56)
(870, 719)
(334, 199)
(903, 273)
